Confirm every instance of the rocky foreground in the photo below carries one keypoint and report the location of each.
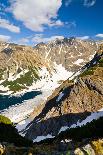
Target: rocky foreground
(91, 147)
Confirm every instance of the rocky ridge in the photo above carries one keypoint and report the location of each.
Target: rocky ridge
(22, 66)
(73, 101)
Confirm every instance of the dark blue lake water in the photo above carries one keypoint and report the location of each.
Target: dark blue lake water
(7, 100)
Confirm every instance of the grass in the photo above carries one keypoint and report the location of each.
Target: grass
(5, 120)
(1, 74)
(25, 80)
(100, 63)
(89, 71)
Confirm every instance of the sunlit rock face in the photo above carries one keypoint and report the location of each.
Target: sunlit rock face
(24, 65)
(75, 103)
(67, 52)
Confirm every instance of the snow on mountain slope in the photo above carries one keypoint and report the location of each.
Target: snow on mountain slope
(46, 85)
(93, 116)
(42, 68)
(58, 59)
(74, 103)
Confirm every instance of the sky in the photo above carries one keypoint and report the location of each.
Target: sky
(34, 21)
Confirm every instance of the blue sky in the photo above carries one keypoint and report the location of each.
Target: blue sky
(34, 21)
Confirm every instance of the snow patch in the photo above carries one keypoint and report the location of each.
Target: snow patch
(13, 77)
(60, 97)
(40, 138)
(78, 61)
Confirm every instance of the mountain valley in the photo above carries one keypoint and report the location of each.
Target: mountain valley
(53, 90)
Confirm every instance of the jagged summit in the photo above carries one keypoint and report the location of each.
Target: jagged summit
(67, 52)
(53, 58)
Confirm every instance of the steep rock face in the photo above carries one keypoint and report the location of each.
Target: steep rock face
(22, 66)
(15, 57)
(72, 101)
(71, 53)
(19, 67)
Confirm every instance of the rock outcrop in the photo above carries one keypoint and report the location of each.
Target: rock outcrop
(72, 53)
(21, 65)
(73, 101)
(92, 147)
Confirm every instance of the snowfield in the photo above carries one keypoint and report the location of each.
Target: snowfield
(78, 62)
(19, 113)
(60, 97)
(40, 138)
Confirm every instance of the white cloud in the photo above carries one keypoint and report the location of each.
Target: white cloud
(70, 24)
(39, 38)
(100, 35)
(67, 2)
(4, 38)
(83, 37)
(7, 25)
(89, 3)
(23, 41)
(56, 23)
(37, 14)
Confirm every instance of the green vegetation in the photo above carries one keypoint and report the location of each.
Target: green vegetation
(5, 120)
(25, 80)
(68, 153)
(100, 64)
(89, 71)
(1, 74)
(71, 81)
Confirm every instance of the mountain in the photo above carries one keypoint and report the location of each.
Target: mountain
(70, 53)
(45, 64)
(77, 101)
(66, 116)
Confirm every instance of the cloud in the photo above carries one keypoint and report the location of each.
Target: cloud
(89, 3)
(83, 37)
(37, 14)
(67, 2)
(39, 38)
(4, 38)
(2, 7)
(100, 35)
(70, 24)
(7, 25)
(23, 41)
(56, 23)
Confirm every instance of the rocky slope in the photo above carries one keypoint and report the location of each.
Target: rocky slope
(92, 147)
(72, 53)
(22, 66)
(87, 141)
(18, 67)
(72, 103)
